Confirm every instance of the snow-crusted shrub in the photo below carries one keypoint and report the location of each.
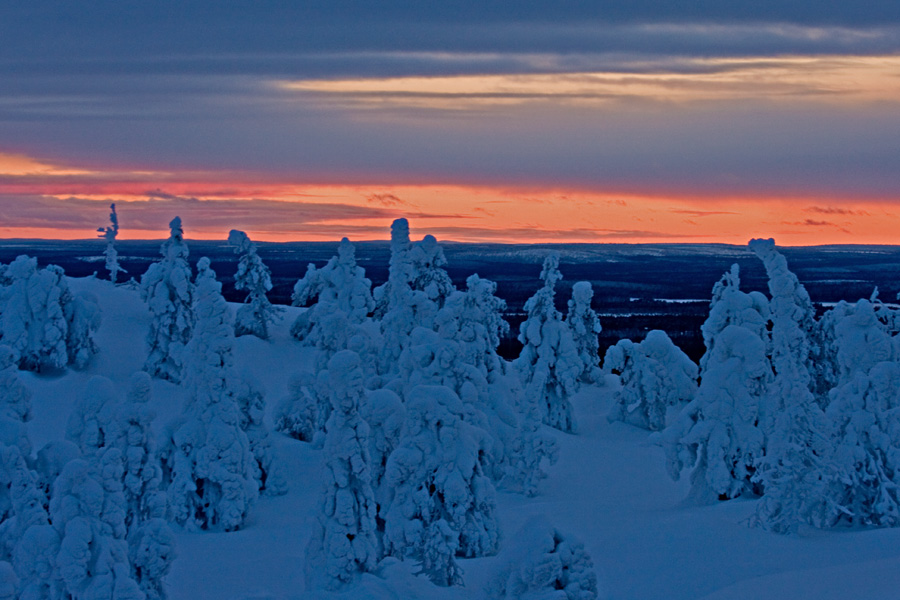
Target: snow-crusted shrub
(428, 273)
(585, 326)
(32, 322)
(549, 361)
(443, 506)
(655, 374)
(87, 510)
(207, 459)
(544, 563)
(297, 414)
(345, 543)
(109, 233)
(257, 313)
(166, 288)
(251, 401)
(92, 422)
(719, 433)
(864, 467)
(731, 306)
(473, 319)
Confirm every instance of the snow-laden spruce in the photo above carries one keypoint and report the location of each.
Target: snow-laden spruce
(585, 326)
(530, 448)
(793, 472)
(87, 511)
(443, 505)
(343, 301)
(473, 319)
(45, 325)
(549, 362)
(544, 563)
(299, 414)
(167, 290)
(256, 314)
(428, 273)
(655, 375)
(109, 233)
(15, 397)
(385, 413)
(718, 434)
(731, 306)
(209, 467)
(345, 543)
(251, 401)
(403, 308)
(92, 422)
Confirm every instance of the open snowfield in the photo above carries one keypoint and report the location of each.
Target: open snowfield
(609, 489)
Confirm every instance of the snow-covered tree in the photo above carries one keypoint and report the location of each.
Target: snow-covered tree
(655, 375)
(32, 322)
(473, 319)
(793, 471)
(718, 434)
(253, 276)
(251, 401)
(403, 308)
(345, 543)
(544, 563)
(443, 506)
(731, 306)
(15, 398)
(530, 449)
(385, 413)
(166, 287)
(207, 459)
(428, 273)
(585, 326)
(863, 476)
(92, 423)
(82, 313)
(298, 414)
(151, 551)
(549, 359)
(861, 340)
(87, 510)
(109, 233)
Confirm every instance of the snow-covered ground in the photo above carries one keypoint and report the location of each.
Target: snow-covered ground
(609, 489)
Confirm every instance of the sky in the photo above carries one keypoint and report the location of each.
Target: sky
(506, 121)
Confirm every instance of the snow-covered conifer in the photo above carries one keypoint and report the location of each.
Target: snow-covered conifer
(151, 551)
(731, 306)
(166, 287)
(32, 321)
(443, 506)
(92, 423)
(530, 447)
(585, 326)
(792, 473)
(345, 543)
(473, 319)
(207, 458)
(549, 358)
(251, 400)
(82, 312)
(9, 582)
(109, 233)
(87, 510)
(257, 313)
(15, 398)
(385, 414)
(428, 273)
(655, 375)
(298, 414)
(544, 563)
(719, 433)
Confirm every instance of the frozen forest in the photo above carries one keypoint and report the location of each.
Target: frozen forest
(157, 441)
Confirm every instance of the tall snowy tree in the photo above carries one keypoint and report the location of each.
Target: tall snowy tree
(109, 233)
(428, 273)
(166, 287)
(792, 473)
(549, 360)
(345, 543)
(251, 401)
(207, 458)
(253, 276)
(443, 506)
(585, 326)
(655, 375)
(82, 313)
(530, 449)
(718, 434)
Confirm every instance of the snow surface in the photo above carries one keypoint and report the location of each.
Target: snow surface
(609, 489)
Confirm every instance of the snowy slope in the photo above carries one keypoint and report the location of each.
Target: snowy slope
(609, 489)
